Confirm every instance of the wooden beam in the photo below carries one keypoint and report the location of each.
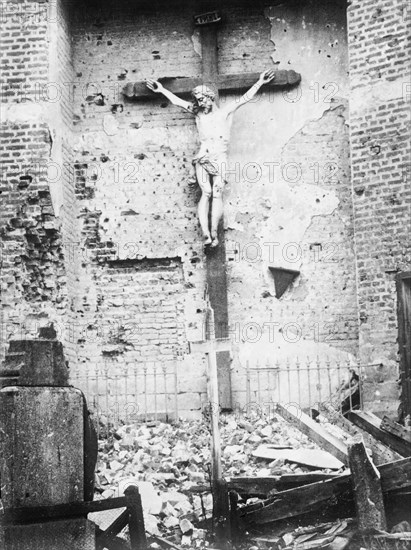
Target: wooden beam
(234, 523)
(395, 475)
(380, 452)
(136, 526)
(367, 489)
(209, 56)
(403, 285)
(216, 277)
(166, 542)
(62, 511)
(261, 486)
(108, 538)
(227, 83)
(298, 501)
(216, 268)
(110, 542)
(372, 424)
(210, 346)
(315, 432)
(396, 429)
(303, 500)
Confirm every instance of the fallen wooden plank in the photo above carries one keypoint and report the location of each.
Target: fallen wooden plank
(72, 509)
(395, 475)
(303, 500)
(314, 458)
(261, 486)
(234, 523)
(315, 432)
(136, 528)
(113, 529)
(298, 501)
(367, 489)
(166, 542)
(372, 424)
(109, 542)
(396, 429)
(381, 454)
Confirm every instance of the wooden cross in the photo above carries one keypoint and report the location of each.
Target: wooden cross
(181, 85)
(216, 257)
(211, 346)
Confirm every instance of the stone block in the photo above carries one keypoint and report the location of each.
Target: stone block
(35, 363)
(42, 446)
(70, 534)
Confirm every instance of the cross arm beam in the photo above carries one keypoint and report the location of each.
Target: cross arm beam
(227, 83)
(210, 346)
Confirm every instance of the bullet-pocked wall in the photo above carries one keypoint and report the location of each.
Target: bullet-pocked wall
(379, 48)
(141, 279)
(99, 226)
(36, 190)
(287, 203)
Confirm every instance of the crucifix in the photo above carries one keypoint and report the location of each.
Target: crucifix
(210, 346)
(213, 125)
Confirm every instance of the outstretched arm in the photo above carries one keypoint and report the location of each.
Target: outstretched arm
(158, 88)
(265, 77)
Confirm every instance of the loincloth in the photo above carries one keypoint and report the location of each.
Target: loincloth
(212, 164)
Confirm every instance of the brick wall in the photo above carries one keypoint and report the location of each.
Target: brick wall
(136, 201)
(380, 143)
(136, 207)
(35, 62)
(109, 232)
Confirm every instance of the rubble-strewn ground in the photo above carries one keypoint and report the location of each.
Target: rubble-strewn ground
(169, 462)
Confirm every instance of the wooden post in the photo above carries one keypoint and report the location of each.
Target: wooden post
(211, 346)
(221, 512)
(214, 402)
(234, 524)
(367, 489)
(216, 257)
(136, 518)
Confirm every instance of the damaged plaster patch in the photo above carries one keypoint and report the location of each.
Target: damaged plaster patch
(22, 112)
(196, 40)
(366, 97)
(294, 205)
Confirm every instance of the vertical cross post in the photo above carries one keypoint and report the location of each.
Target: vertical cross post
(216, 472)
(211, 346)
(216, 257)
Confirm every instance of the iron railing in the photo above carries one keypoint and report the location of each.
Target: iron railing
(126, 393)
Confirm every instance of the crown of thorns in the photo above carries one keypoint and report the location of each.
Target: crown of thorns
(204, 90)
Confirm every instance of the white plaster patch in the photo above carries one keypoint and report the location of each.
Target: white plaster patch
(293, 210)
(367, 97)
(89, 141)
(275, 347)
(24, 112)
(110, 125)
(195, 39)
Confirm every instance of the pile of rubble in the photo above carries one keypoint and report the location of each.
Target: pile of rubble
(171, 466)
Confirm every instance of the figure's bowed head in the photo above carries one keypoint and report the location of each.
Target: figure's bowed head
(204, 98)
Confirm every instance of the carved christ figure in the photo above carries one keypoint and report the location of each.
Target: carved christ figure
(213, 125)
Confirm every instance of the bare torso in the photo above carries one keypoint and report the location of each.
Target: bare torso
(214, 131)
